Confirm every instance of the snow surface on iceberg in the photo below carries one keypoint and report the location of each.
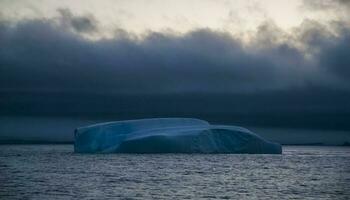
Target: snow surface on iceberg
(169, 135)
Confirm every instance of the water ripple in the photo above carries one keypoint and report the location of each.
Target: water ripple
(54, 172)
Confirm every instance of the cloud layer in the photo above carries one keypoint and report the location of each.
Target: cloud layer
(52, 54)
(53, 66)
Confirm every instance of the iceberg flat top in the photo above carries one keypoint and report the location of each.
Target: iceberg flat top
(127, 126)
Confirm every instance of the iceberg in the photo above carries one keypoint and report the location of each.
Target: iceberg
(169, 135)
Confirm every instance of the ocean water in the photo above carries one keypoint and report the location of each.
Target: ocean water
(55, 172)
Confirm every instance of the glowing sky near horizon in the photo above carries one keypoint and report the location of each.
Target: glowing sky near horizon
(139, 16)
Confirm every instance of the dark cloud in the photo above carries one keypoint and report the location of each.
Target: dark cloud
(42, 55)
(85, 23)
(329, 48)
(48, 69)
(336, 57)
(326, 4)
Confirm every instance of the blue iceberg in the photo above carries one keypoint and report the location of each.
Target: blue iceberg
(169, 135)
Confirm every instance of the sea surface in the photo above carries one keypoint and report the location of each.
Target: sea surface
(55, 172)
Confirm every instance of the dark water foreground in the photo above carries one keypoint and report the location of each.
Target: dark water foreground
(54, 172)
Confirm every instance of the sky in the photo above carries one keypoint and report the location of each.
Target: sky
(272, 63)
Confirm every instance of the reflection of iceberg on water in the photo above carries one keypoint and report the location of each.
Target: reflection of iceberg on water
(169, 135)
